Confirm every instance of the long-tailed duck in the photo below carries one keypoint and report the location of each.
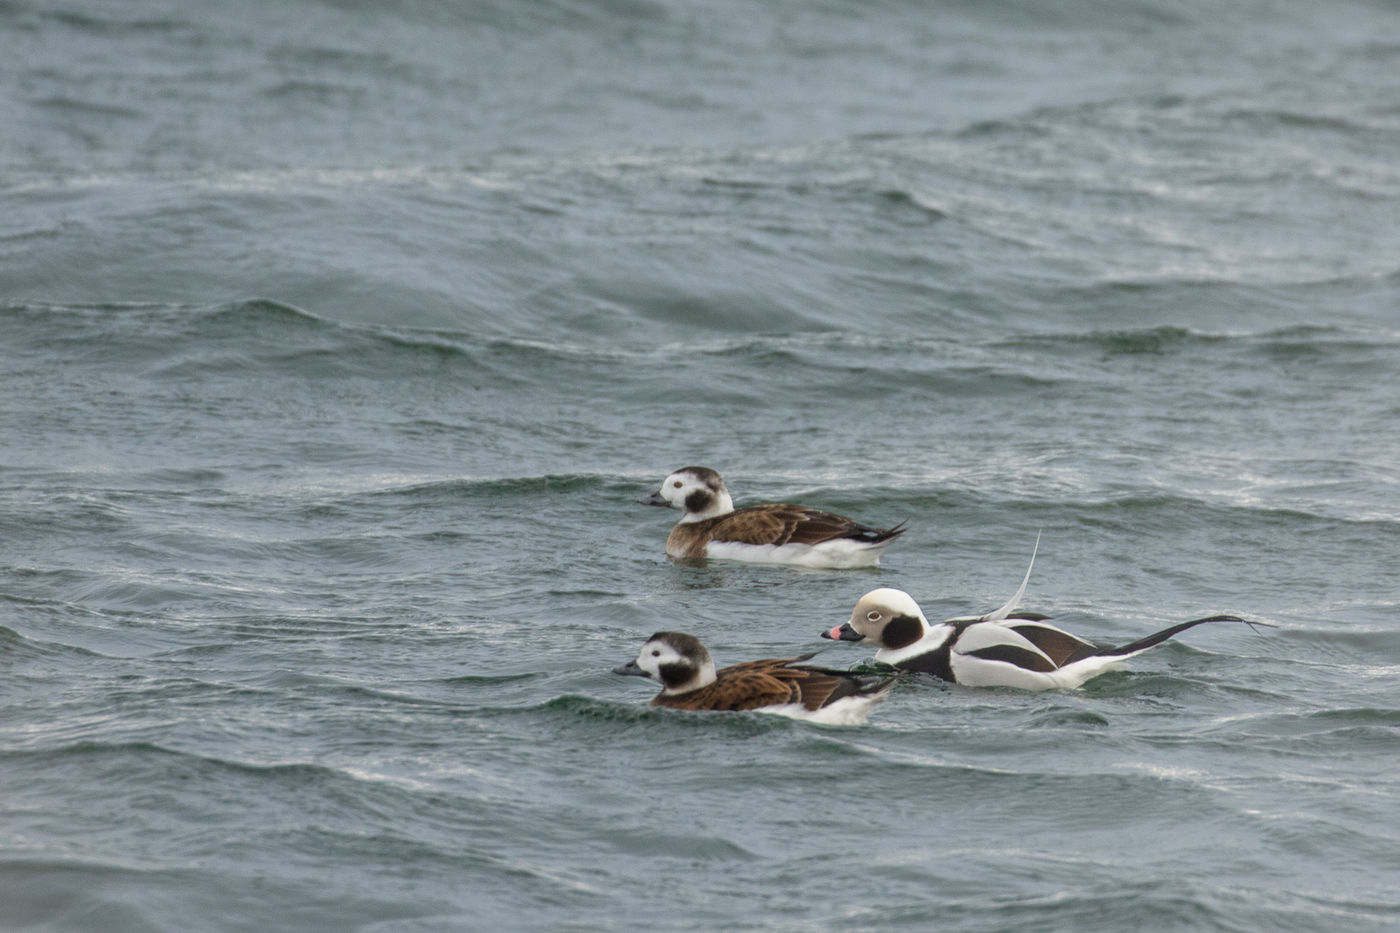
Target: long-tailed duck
(773, 533)
(689, 681)
(1005, 648)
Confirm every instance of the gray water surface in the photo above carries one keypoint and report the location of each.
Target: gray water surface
(338, 342)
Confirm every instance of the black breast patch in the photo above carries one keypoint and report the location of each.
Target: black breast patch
(936, 662)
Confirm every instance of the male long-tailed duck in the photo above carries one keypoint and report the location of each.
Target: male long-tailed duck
(1005, 648)
(689, 681)
(773, 533)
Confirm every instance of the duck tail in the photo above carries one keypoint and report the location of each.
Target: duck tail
(1156, 638)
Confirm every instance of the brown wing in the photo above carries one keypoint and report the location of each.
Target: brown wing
(771, 682)
(1061, 647)
(816, 688)
(791, 524)
(745, 686)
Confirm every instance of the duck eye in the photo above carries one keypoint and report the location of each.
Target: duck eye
(677, 484)
(872, 616)
(655, 653)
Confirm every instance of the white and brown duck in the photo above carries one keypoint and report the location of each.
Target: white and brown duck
(689, 681)
(771, 533)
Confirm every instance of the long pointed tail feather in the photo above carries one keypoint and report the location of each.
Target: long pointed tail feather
(1142, 644)
(1013, 602)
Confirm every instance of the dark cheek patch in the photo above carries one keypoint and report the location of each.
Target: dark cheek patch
(698, 501)
(673, 675)
(901, 631)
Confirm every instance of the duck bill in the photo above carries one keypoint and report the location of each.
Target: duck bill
(630, 669)
(655, 499)
(843, 632)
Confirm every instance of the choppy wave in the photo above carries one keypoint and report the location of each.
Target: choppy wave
(338, 343)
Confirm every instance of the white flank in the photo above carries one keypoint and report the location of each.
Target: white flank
(1072, 675)
(980, 672)
(847, 711)
(839, 554)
